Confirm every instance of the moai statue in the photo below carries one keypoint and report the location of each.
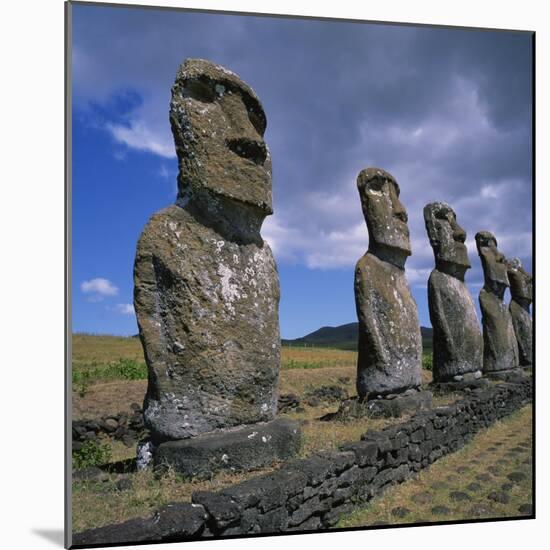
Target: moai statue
(500, 348)
(521, 289)
(457, 340)
(390, 344)
(206, 288)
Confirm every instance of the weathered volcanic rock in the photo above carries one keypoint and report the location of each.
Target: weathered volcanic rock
(206, 288)
(500, 349)
(521, 288)
(390, 344)
(237, 449)
(457, 340)
(176, 521)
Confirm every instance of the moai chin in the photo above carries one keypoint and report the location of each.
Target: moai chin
(521, 289)
(500, 349)
(206, 287)
(390, 344)
(457, 339)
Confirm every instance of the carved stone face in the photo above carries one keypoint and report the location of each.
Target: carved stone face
(521, 282)
(446, 237)
(386, 217)
(493, 263)
(218, 125)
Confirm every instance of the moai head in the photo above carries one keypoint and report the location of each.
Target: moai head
(447, 239)
(218, 125)
(493, 263)
(521, 282)
(386, 217)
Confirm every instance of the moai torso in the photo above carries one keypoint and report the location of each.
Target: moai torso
(390, 344)
(521, 289)
(206, 288)
(457, 340)
(500, 349)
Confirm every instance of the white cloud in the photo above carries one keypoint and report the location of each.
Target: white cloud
(418, 277)
(98, 288)
(124, 309)
(138, 135)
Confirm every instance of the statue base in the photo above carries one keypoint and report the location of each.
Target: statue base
(514, 376)
(392, 405)
(468, 381)
(235, 450)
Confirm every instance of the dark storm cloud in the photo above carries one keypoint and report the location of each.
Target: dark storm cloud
(448, 112)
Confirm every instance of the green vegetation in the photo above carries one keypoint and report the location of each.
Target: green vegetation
(91, 453)
(344, 337)
(122, 369)
(427, 361)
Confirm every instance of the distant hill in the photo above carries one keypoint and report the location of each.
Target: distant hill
(344, 337)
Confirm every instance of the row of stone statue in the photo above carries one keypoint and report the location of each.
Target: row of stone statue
(390, 344)
(206, 289)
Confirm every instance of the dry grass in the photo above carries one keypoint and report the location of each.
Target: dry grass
(315, 358)
(100, 503)
(486, 462)
(90, 349)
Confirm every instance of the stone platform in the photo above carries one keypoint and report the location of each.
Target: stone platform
(514, 376)
(458, 385)
(237, 449)
(393, 405)
(397, 405)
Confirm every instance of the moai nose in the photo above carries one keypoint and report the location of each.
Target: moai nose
(399, 210)
(459, 234)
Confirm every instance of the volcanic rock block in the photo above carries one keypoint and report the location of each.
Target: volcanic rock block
(457, 340)
(206, 289)
(235, 449)
(390, 344)
(500, 348)
(521, 288)
(409, 402)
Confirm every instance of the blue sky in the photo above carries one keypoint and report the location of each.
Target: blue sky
(447, 112)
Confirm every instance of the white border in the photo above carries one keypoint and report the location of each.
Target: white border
(32, 266)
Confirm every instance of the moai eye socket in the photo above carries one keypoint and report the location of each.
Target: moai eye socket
(200, 90)
(443, 214)
(376, 184)
(256, 121)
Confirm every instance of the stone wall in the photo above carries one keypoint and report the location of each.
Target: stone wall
(313, 493)
(126, 427)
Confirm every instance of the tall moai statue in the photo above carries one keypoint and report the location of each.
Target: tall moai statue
(206, 288)
(521, 289)
(457, 339)
(390, 344)
(500, 348)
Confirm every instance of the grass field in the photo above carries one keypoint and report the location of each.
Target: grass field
(109, 374)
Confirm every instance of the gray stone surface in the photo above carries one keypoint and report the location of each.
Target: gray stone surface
(521, 289)
(500, 348)
(457, 339)
(236, 449)
(171, 522)
(402, 404)
(390, 344)
(458, 385)
(206, 288)
(515, 376)
(391, 405)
